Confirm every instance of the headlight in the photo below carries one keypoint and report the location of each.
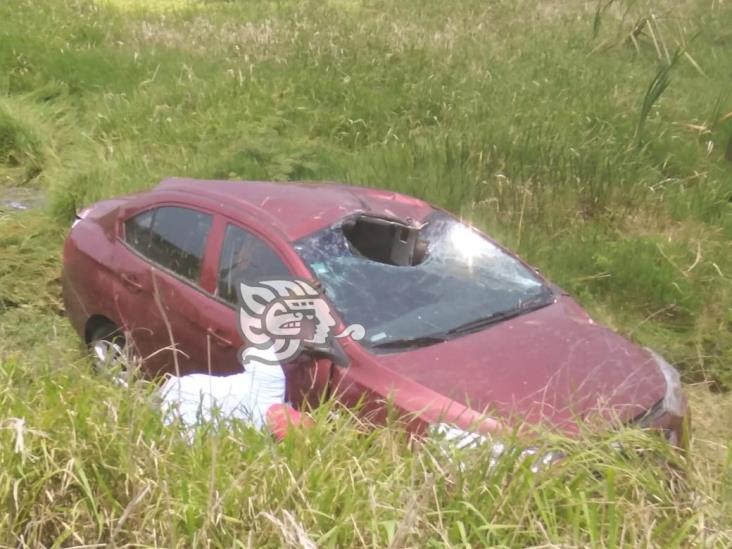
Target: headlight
(459, 439)
(673, 400)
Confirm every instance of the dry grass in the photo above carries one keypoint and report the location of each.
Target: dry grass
(201, 35)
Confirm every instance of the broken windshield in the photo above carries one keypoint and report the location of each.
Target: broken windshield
(460, 279)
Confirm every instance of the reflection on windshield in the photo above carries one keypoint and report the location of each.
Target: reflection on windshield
(464, 277)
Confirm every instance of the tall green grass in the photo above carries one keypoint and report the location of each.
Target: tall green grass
(84, 462)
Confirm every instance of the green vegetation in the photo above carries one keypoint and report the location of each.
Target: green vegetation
(595, 138)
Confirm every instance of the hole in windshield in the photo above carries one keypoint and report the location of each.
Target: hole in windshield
(386, 241)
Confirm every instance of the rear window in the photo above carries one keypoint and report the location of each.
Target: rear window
(173, 237)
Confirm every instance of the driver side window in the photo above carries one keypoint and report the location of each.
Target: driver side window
(245, 257)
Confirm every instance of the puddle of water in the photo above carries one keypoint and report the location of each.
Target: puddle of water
(21, 199)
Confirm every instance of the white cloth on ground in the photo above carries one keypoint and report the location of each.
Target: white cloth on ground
(198, 398)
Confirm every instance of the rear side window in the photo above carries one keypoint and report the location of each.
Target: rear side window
(137, 231)
(246, 257)
(174, 237)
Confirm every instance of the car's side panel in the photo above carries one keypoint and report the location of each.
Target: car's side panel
(308, 381)
(88, 276)
(183, 305)
(307, 378)
(222, 340)
(162, 311)
(135, 298)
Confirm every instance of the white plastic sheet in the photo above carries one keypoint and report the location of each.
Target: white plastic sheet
(199, 398)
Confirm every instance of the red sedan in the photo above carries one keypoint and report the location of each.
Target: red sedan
(457, 330)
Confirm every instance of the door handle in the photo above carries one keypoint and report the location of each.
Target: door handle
(219, 339)
(131, 282)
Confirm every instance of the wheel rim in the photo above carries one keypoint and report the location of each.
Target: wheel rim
(109, 358)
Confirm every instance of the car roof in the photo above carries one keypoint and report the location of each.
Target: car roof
(300, 208)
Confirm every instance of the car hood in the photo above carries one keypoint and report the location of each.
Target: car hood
(553, 365)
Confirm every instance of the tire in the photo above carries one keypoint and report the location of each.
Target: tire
(107, 349)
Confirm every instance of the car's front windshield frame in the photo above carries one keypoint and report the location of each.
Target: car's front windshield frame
(397, 333)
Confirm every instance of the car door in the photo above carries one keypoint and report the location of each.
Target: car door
(242, 255)
(245, 255)
(159, 269)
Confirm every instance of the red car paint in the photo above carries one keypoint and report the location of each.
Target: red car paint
(552, 366)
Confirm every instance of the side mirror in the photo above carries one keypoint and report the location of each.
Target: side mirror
(334, 353)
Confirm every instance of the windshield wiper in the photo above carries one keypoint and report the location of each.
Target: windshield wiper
(409, 342)
(484, 321)
(532, 304)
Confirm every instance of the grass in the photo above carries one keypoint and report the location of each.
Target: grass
(593, 138)
(106, 470)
